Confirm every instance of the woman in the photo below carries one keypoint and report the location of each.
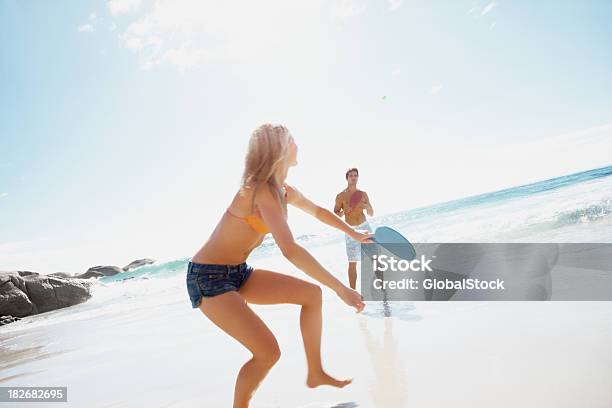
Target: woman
(221, 284)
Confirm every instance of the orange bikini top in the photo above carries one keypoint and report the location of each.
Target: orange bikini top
(254, 220)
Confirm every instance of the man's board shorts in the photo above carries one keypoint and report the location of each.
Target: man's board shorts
(353, 248)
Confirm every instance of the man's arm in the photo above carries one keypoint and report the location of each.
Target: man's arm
(367, 205)
(339, 205)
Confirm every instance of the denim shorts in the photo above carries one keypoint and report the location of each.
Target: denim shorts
(206, 280)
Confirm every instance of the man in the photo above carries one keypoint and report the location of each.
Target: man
(351, 203)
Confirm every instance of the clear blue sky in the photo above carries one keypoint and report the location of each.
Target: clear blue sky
(124, 123)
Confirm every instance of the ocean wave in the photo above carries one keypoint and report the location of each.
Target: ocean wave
(589, 213)
(544, 209)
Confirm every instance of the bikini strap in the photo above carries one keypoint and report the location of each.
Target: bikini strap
(253, 197)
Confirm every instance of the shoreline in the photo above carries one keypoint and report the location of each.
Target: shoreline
(403, 360)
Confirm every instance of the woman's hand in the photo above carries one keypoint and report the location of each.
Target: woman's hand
(365, 238)
(351, 298)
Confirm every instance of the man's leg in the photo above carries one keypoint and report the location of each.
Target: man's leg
(352, 275)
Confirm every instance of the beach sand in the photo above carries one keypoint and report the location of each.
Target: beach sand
(152, 349)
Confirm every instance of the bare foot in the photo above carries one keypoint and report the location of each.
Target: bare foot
(321, 378)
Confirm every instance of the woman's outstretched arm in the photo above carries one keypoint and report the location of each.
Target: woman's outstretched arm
(298, 200)
(272, 214)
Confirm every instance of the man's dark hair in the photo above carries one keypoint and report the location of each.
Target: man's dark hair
(350, 170)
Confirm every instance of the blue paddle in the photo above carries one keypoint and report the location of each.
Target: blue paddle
(392, 241)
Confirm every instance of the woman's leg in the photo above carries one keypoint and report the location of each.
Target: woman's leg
(230, 312)
(266, 288)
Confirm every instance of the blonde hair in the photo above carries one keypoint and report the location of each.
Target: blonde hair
(267, 160)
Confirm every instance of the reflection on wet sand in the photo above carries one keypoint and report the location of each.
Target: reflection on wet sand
(389, 388)
(346, 405)
(12, 358)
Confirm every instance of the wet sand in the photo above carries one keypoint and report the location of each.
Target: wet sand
(156, 351)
